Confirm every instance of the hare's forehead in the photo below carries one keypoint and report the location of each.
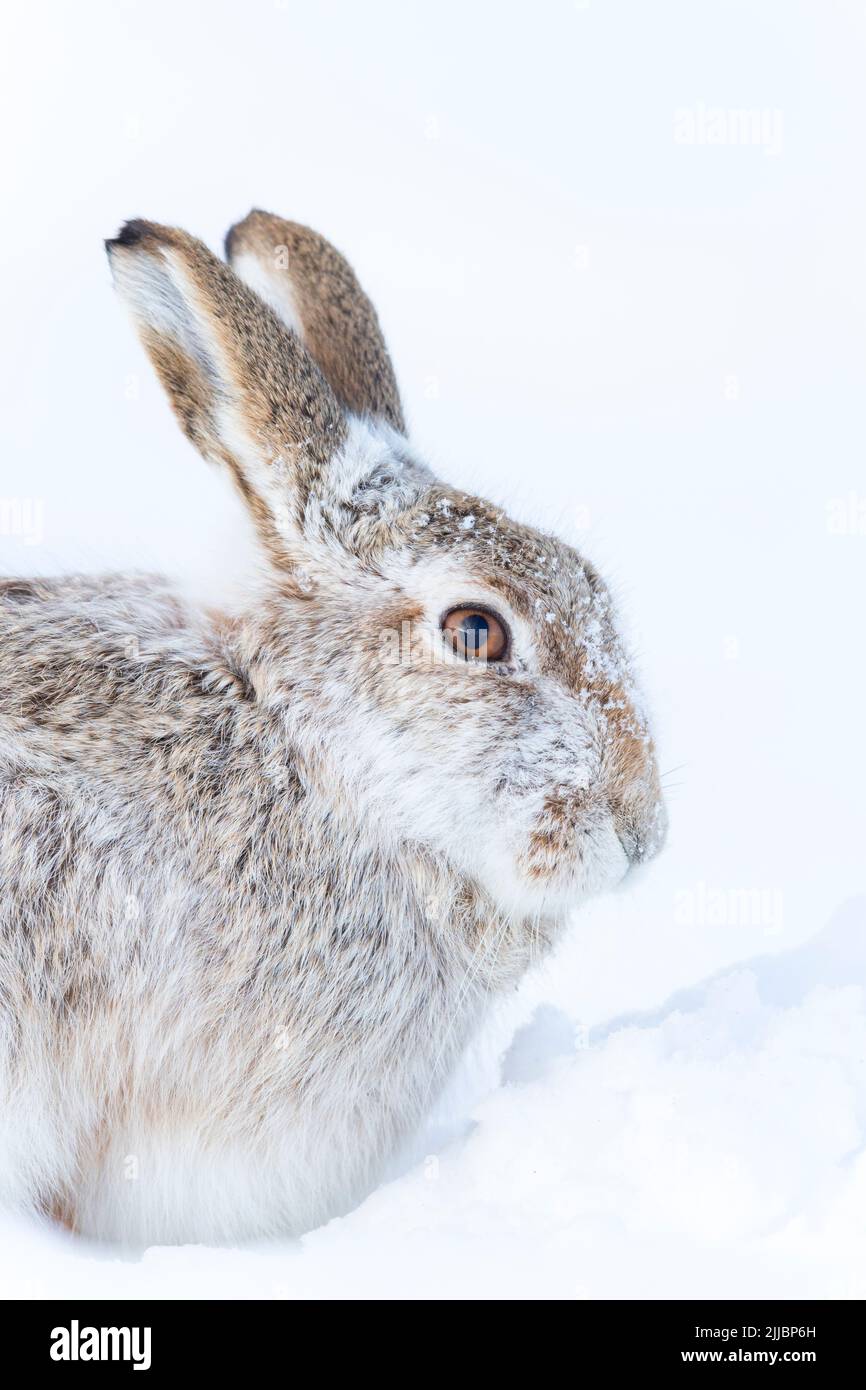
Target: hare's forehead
(537, 584)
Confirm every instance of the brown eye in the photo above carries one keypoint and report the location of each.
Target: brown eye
(476, 634)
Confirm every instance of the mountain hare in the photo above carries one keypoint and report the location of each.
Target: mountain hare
(260, 874)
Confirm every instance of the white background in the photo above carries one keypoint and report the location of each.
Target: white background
(655, 347)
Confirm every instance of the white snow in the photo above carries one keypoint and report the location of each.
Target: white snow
(650, 346)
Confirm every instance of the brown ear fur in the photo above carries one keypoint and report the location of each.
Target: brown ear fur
(244, 389)
(315, 290)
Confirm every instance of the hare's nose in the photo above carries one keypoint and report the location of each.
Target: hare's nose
(641, 829)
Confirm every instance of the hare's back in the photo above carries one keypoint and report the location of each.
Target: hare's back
(116, 723)
(128, 776)
(91, 667)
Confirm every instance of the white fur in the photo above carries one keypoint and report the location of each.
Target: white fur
(272, 287)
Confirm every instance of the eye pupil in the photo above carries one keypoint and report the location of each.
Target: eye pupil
(475, 628)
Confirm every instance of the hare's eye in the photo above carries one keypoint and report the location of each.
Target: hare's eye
(476, 634)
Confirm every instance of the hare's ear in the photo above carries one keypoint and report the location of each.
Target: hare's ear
(315, 291)
(244, 388)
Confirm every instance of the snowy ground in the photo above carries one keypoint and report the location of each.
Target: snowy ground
(714, 1147)
(651, 345)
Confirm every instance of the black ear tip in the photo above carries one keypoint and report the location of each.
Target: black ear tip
(228, 244)
(130, 234)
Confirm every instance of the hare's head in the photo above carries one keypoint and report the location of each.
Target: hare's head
(459, 674)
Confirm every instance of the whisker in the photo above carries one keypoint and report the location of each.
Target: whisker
(680, 767)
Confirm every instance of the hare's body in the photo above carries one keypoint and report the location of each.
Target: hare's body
(259, 874)
(185, 1062)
